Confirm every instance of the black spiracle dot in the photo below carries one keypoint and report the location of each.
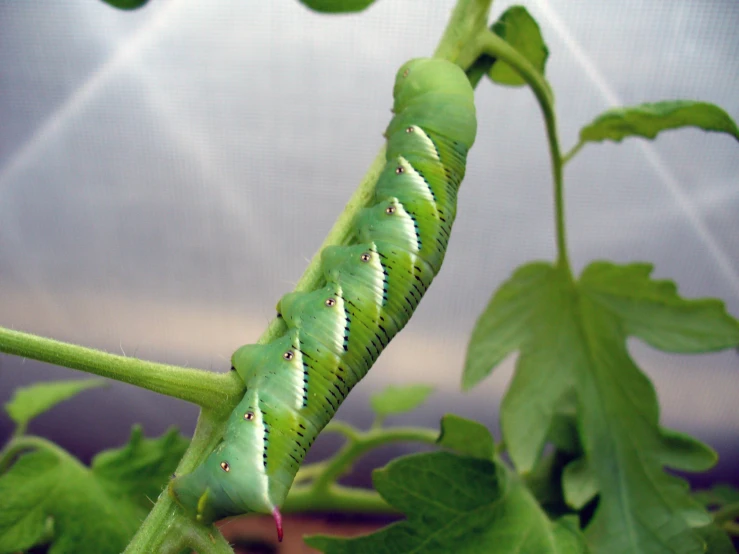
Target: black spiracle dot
(399, 170)
(409, 129)
(248, 416)
(390, 210)
(330, 302)
(225, 467)
(365, 257)
(289, 355)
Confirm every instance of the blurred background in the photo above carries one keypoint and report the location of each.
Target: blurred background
(166, 174)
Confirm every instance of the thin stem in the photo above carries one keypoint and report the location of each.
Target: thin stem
(491, 44)
(203, 540)
(363, 442)
(166, 519)
(468, 19)
(342, 428)
(571, 154)
(30, 442)
(204, 388)
(309, 472)
(336, 498)
(726, 513)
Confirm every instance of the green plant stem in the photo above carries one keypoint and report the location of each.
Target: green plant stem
(731, 528)
(490, 44)
(571, 154)
(363, 442)
(29, 442)
(469, 18)
(165, 519)
(335, 498)
(309, 472)
(324, 494)
(201, 540)
(204, 388)
(726, 513)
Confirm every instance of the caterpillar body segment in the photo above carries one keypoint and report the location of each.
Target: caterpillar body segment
(295, 384)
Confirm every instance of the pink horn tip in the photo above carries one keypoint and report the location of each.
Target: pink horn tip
(278, 522)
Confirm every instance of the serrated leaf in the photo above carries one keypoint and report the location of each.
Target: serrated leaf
(652, 310)
(337, 6)
(86, 519)
(467, 437)
(395, 400)
(32, 401)
(141, 468)
(571, 336)
(126, 4)
(93, 511)
(519, 29)
(716, 540)
(461, 505)
(718, 496)
(648, 120)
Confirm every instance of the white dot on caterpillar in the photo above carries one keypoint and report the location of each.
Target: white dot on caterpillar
(248, 416)
(330, 302)
(288, 355)
(225, 467)
(390, 210)
(365, 257)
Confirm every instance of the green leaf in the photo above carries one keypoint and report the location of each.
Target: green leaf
(718, 496)
(517, 318)
(466, 437)
(716, 540)
(571, 337)
(86, 518)
(398, 400)
(519, 29)
(32, 401)
(337, 6)
(503, 327)
(139, 469)
(545, 483)
(92, 510)
(579, 484)
(461, 505)
(652, 310)
(126, 4)
(648, 120)
(563, 430)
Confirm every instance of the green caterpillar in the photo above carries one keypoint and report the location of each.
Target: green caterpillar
(295, 384)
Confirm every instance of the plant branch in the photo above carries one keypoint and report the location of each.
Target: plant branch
(491, 44)
(165, 520)
(571, 154)
(335, 498)
(324, 494)
(204, 388)
(360, 443)
(30, 442)
(469, 18)
(726, 513)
